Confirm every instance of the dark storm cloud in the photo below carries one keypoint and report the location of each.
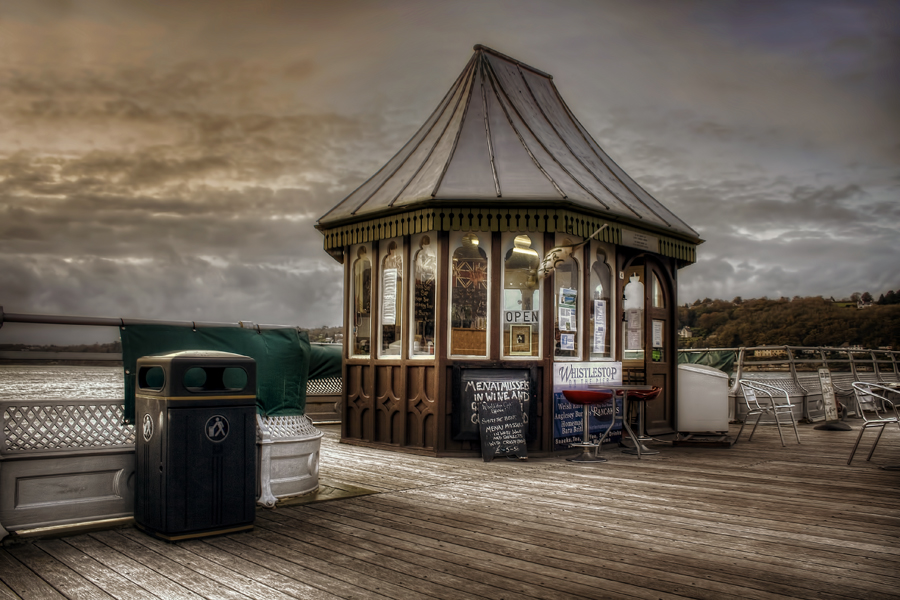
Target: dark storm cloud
(169, 159)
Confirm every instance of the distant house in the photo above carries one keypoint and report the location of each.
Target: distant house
(849, 346)
(845, 303)
(685, 332)
(769, 353)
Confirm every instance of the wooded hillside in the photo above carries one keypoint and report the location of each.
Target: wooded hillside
(798, 322)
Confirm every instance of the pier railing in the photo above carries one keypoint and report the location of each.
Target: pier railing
(795, 369)
(68, 461)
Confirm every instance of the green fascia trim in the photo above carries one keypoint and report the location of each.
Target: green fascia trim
(465, 218)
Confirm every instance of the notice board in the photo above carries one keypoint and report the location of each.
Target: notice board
(479, 390)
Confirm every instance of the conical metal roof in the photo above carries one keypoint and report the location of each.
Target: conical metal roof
(503, 135)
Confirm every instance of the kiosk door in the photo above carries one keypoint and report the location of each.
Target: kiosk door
(660, 357)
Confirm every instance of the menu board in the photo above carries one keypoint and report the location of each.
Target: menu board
(425, 300)
(475, 388)
(502, 427)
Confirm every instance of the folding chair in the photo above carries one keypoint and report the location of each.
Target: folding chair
(872, 397)
(751, 390)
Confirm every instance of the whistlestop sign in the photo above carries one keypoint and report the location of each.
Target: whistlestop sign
(567, 417)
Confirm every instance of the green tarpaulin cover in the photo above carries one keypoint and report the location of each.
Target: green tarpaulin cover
(325, 361)
(282, 359)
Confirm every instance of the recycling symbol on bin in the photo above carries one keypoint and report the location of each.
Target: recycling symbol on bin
(216, 428)
(148, 427)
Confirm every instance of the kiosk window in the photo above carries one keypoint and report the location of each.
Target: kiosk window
(633, 332)
(521, 300)
(468, 299)
(423, 301)
(599, 334)
(391, 295)
(361, 304)
(566, 301)
(659, 300)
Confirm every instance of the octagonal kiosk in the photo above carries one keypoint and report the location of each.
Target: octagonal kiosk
(196, 444)
(444, 292)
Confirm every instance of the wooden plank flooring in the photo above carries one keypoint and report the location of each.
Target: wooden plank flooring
(753, 521)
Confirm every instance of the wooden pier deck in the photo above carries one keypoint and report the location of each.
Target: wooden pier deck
(752, 521)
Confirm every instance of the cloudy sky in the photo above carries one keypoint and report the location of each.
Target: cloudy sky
(168, 159)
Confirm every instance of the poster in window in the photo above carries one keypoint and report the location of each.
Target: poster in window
(567, 319)
(567, 311)
(389, 303)
(633, 318)
(599, 326)
(567, 341)
(657, 334)
(634, 339)
(567, 297)
(520, 339)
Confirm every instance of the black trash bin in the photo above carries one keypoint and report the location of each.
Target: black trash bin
(195, 420)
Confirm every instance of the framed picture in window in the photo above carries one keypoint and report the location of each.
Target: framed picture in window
(520, 339)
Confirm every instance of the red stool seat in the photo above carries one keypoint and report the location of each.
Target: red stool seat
(588, 396)
(643, 396)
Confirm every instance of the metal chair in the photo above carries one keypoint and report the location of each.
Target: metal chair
(872, 397)
(588, 398)
(750, 390)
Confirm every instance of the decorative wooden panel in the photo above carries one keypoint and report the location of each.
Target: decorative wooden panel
(421, 420)
(360, 405)
(388, 404)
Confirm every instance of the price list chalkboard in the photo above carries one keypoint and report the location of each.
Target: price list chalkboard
(496, 407)
(502, 426)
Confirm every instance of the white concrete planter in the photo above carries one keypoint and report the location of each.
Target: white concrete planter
(288, 450)
(64, 461)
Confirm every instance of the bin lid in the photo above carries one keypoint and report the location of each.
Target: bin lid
(703, 370)
(195, 354)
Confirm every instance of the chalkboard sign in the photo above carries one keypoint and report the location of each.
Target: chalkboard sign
(502, 426)
(475, 385)
(425, 300)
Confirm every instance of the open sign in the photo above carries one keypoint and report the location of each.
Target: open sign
(521, 316)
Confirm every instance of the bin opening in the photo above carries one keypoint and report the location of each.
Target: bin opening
(215, 379)
(151, 378)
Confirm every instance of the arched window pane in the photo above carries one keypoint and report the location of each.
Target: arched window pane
(659, 300)
(468, 302)
(361, 309)
(521, 299)
(391, 294)
(424, 279)
(566, 303)
(601, 286)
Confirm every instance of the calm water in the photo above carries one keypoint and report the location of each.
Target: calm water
(37, 382)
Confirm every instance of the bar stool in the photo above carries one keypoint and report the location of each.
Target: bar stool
(588, 398)
(642, 396)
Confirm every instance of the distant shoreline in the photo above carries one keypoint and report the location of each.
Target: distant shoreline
(23, 358)
(59, 363)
